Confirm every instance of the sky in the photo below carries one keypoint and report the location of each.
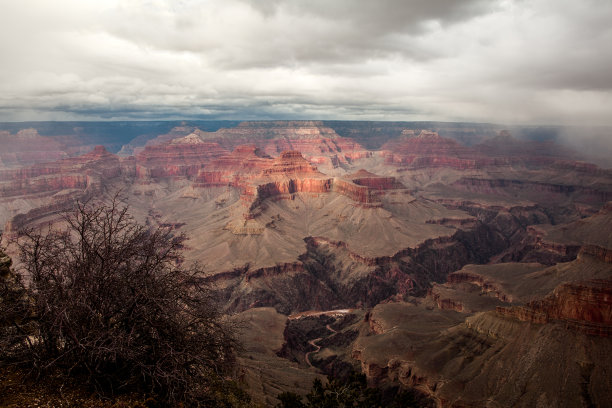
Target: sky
(516, 62)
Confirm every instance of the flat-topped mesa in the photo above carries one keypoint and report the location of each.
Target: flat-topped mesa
(429, 149)
(183, 156)
(245, 163)
(319, 150)
(584, 306)
(253, 196)
(362, 195)
(373, 181)
(286, 175)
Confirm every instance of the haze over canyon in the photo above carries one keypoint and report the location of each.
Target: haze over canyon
(471, 262)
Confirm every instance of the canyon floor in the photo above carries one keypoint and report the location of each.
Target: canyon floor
(471, 263)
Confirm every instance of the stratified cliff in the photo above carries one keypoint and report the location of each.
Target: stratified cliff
(531, 335)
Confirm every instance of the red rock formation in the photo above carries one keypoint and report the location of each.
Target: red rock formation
(290, 163)
(56, 185)
(589, 301)
(180, 157)
(244, 163)
(316, 142)
(584, 306)
(260, 177)
(355, 192)
(522, 313)
(373, 181)
(73, 173)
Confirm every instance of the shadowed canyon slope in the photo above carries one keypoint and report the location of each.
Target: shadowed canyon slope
(454, 256)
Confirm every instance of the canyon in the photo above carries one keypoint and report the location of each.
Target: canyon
(474, 263)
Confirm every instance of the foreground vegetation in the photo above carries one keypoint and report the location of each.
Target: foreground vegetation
(351, 392)
(111, 305)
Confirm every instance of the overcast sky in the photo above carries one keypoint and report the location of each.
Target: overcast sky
(518, 62)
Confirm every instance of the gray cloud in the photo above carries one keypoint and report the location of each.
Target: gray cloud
(539, 61)
(383, 16)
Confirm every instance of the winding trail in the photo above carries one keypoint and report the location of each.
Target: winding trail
(310, 313)
(316, 346)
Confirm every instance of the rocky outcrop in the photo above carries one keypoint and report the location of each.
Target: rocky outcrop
(184, 157)
(445, 303)
(260, 177)
(486, 285)
(522, 313)
(585, 306)
(36, 216)
(374, 181)
(55, 186)
(87, 172)
(488, 359)
(254, 196)
(290, 163)
(362, 194)
(597, 252)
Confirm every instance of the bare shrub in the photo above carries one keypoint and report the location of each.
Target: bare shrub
(114, 303)
(15, 313)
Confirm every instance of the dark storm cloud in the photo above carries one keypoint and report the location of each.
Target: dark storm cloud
(538, 61)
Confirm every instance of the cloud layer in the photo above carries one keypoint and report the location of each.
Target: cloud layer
(536, 61)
